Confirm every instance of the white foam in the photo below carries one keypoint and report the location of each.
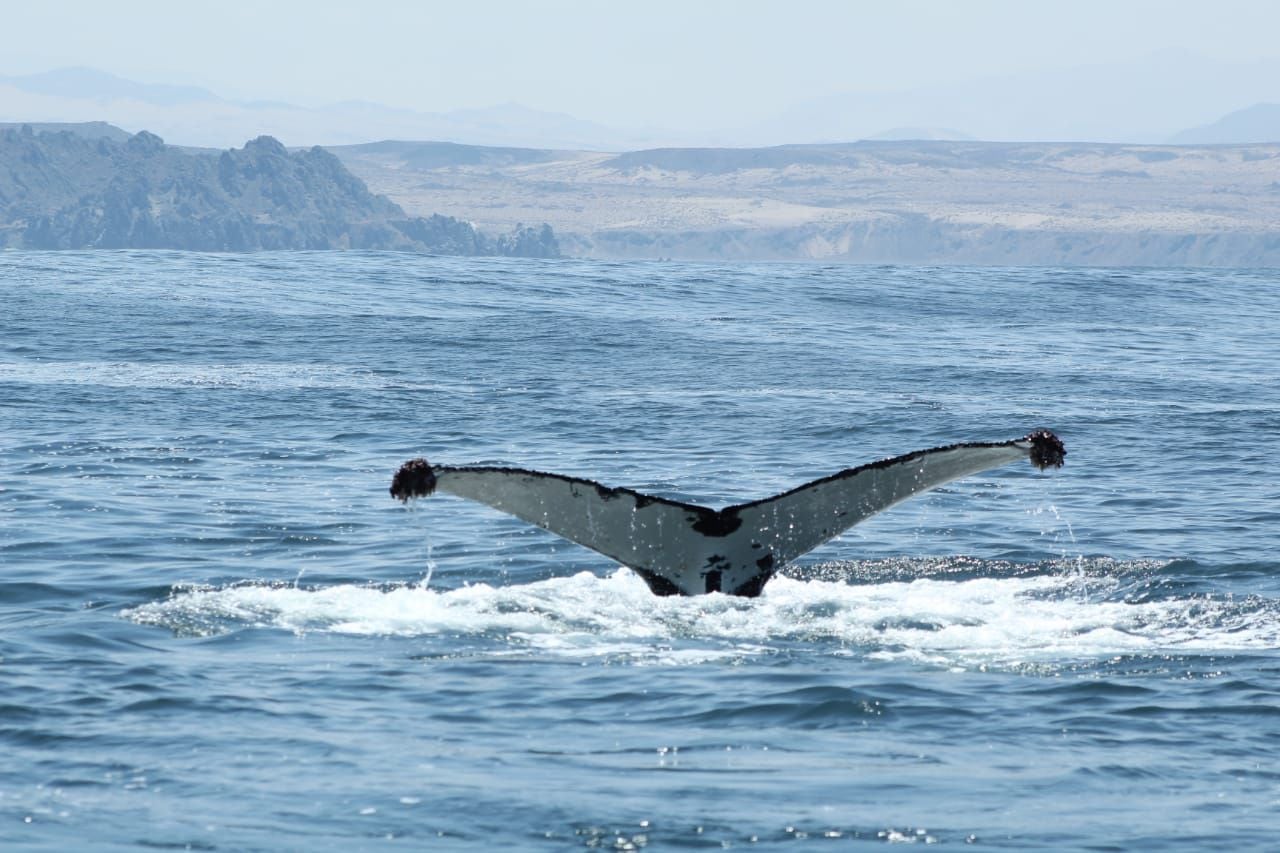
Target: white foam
(978, 622)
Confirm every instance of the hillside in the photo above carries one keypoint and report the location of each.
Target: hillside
(69, 190)
(87, 129)
(873, 202)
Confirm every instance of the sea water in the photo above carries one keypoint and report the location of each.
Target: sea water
(219, 632)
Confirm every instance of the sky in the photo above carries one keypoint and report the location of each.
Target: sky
(691, 64)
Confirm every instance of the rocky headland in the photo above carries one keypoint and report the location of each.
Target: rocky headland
(76, 189)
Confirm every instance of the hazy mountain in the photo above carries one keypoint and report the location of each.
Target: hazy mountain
(91, 84)
(188, 115)
(1146, 100)
(1258, 123)
(921, 133)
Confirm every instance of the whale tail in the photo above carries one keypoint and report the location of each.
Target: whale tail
(685, 549)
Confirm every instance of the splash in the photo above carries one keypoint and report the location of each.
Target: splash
(1006, 621)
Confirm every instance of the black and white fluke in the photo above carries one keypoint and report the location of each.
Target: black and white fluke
(684, 549)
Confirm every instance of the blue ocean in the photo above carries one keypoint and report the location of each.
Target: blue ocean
(218, 631)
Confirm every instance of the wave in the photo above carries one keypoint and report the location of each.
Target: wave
(255, 376)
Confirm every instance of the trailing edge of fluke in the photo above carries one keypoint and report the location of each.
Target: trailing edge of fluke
(685, 549)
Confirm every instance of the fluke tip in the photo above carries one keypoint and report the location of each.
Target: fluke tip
(415, 479)
(1047, 450)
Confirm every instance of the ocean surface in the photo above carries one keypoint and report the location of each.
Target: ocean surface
(219, 632)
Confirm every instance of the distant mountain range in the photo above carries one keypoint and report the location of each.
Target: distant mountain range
(90, 84)
(1147, 100)
(1258, 123)
(192, 116)
(1153, 99)
(86, 188)
(908, 133)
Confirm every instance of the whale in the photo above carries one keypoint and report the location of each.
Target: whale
(680, 548)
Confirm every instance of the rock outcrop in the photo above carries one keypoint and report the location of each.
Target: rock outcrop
(62, 190)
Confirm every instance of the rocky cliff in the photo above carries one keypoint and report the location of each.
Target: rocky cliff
(63, 190)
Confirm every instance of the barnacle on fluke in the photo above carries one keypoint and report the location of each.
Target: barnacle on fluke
(1047, 450)
(415, 479)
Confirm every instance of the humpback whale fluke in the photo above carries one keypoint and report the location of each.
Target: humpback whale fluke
(685, 549)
